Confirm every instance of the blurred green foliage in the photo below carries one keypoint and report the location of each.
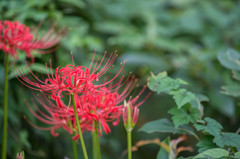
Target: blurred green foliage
(182, 37)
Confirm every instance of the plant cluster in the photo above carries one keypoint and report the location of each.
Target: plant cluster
(188, 118)
(95, 102)
(183, 40)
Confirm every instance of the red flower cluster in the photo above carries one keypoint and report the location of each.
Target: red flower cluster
(57, 117)
(72, 79)
(96, 101)
(14, 35)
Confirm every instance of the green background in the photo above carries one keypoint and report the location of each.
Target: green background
(182, 37)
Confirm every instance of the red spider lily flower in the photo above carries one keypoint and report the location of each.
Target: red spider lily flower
(96, 101)
(14, 35)
(57, 117)
(105, 106)
(74, 79)
(101, 106)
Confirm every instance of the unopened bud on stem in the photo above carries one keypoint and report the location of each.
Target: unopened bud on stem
(20, 155)
(130, 116)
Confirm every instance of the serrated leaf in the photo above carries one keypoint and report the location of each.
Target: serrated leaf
(213, 127)
(232, 90)
(206, 143)
(228, 139)
(221, 139)
(230, 59)
(162, 83)
(182, 97)
(163, 126)
(184, 115)
(162, 153)
(214, 153)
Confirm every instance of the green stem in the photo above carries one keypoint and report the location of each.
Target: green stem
(79, 129)
(96, 145)
(94, 149)
(129, 141)
(75, 149)
(5, 105)
(73, 142)
(129, 133)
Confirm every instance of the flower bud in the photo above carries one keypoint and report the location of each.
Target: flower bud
(130, 116)
(20, 155)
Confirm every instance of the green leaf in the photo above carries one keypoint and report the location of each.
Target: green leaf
(40, 68)
(230, 59)
(228, 139)
(196, 103)
(213, 127)
(143, 58)
(206, 143)
(221, 139)
(163, 126)
(23, 135)
(14, 73)
(184, 157)
(202, 98)
(162, 83)
(232, 90)
(111, 27)
(236, 75)
(213, 153)
(237, 155)
(184, 115)
(79, 4)
(182, 97)
(222, 103)
(162, 153)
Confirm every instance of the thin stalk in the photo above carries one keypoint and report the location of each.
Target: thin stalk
(5, 105)
(79, 129)
(129, 141)
(96, 144)
(73, 142)
(129, 134)
(74, 149)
